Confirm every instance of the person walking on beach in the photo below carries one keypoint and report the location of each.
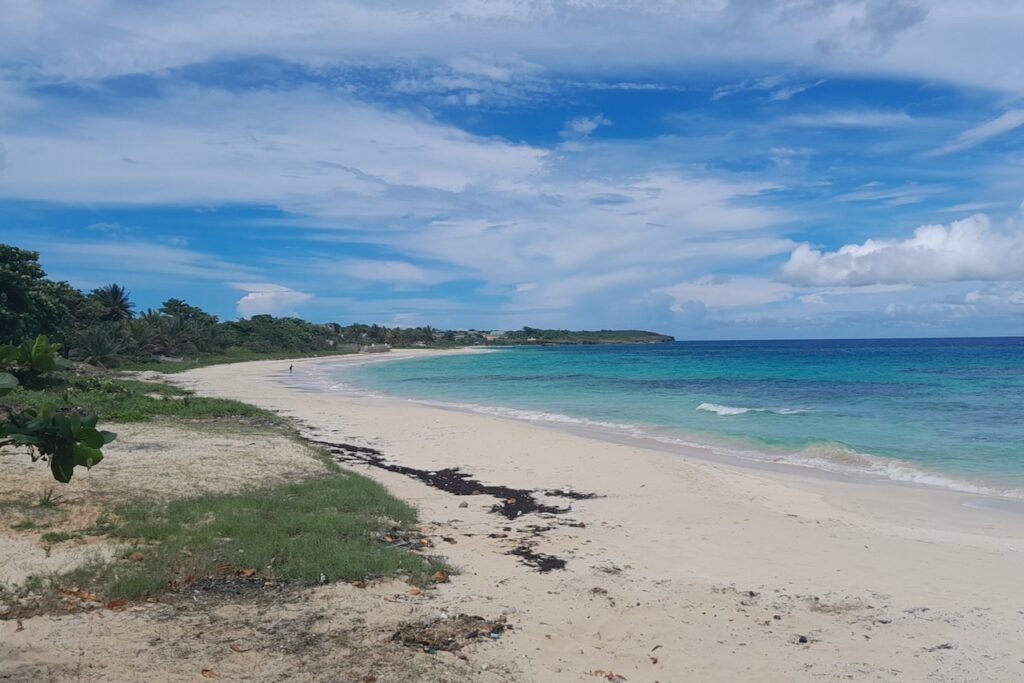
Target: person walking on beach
(290, 369)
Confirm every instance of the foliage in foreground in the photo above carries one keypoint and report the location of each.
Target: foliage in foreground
(66, 437)
(306, 533)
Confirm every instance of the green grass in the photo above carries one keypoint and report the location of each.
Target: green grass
(132, 401)
(233, 356)
(57, 537)
(293, 533)
(28, 514)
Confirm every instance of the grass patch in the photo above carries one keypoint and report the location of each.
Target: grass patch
(132, 401)
(28, 514)
(296, 533)
(231, 356)
(57, 537)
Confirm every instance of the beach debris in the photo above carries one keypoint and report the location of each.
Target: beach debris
(449, 633)
(513, 503)
(136, 557)
(539, 561)
(439, 577)
(803, 640)
(404, 538)
(463, 504)
(941, 646)
(209, 673)
(607, 675)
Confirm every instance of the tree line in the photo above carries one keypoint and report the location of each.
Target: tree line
(103, 327)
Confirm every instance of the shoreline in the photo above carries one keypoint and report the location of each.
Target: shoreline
(733, 572)
(973, 492)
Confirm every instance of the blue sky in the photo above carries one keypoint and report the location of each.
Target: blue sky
(707, 168)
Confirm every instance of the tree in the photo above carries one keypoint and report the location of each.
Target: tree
(115, 303)
(98, 345)
(66, 437)
(176, 308)
(31, 304)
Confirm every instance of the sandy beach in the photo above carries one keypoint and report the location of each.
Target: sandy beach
(680, 568)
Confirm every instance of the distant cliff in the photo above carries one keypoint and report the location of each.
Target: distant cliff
(531, 335)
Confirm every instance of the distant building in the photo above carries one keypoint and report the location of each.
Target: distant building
(375, 348)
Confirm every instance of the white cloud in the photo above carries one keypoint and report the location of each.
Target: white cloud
(726, 292)
(968, 249)
(395, 273)
(139, 258)
(786, 93)
(293, 148)
(1004, 123)
(851, 119)
(264, 298)
(583, 126)
(897, 37)
(889, 196)
(776, 85)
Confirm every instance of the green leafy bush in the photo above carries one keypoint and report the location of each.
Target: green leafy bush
(65, 437)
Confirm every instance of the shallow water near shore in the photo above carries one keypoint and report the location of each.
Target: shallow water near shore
(938, 412)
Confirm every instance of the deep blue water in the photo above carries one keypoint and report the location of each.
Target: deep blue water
(941, 411)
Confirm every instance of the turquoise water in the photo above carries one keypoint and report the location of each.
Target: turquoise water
(940, 411)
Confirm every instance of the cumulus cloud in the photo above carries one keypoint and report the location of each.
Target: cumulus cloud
(264, 298)
(968, 249)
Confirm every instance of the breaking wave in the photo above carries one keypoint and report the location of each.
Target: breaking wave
(734, 410)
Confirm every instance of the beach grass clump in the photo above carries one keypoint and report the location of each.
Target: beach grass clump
(119, 400)
(307, 533)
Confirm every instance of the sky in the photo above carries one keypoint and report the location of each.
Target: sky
(712, 169)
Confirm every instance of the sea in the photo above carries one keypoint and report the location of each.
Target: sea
(932, 412)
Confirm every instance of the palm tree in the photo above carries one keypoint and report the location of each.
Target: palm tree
(114, 302)
(97, 345)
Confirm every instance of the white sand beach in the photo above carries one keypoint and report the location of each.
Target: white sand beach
(684, 569)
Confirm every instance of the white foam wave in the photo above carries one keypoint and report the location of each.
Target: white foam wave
(533, 415)
(734, 410)
(835, 458)
(830, 457)
(845, 460)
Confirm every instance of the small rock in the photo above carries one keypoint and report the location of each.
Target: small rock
(802, 640)
(136, 557)
(463, 504)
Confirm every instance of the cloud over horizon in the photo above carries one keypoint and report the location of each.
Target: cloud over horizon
(967, 249)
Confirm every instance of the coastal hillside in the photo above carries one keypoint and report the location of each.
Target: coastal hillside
(530, 335)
